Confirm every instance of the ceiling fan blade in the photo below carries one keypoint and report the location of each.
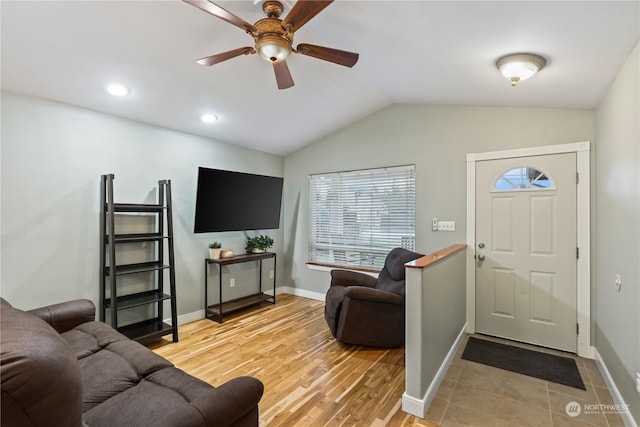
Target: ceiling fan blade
(302, 12)
(341, 57)
(221, 13)
(283, 76)
(215, 59)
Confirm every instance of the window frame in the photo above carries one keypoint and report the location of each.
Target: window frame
(389, 217)
(533, 176)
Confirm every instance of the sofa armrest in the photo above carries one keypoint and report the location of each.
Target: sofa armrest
(67, 315)
(352, 278)
(230, 402)
(373, 295)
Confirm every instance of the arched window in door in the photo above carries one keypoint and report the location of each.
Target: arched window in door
(523, 178)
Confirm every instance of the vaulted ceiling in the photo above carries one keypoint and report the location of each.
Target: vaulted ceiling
(427, 52)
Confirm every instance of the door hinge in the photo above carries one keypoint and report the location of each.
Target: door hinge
(577, 329)
(577, 253)
(577, 177)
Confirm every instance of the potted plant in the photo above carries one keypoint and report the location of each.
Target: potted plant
(258, 244)
(214, 250)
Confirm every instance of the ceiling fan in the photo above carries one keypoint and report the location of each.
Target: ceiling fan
(274, 36)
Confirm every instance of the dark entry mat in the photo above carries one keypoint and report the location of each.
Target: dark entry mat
(548, 367)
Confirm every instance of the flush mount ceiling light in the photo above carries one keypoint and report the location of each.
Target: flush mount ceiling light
(520, 66)
(118, 90)
(208, 118)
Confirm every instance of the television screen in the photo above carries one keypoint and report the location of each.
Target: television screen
(236, 201)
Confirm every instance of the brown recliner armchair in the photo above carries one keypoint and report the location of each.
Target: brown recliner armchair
(363, 310)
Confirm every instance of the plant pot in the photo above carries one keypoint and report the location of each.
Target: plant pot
(257, 251)
(214, 253)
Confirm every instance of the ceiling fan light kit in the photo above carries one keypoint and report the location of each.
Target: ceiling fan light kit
(273, 36)
(272, 48)
(520, 66)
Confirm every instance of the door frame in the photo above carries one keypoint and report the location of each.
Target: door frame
(583, 206)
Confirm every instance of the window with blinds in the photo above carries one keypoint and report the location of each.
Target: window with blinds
(357, 217)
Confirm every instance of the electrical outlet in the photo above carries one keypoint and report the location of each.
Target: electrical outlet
(446, 226)
(271, 274)
(434, 224)
(232, 283)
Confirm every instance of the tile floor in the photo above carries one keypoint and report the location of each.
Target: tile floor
(472, 394)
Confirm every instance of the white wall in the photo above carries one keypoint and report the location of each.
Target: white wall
(435, 139)
(52, 158)
(617, 240)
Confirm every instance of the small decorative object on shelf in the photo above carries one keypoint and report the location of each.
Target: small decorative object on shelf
(226, 253)
(258, 244)
(214, 250)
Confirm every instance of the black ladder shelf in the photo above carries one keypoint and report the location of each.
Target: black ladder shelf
(116, 300)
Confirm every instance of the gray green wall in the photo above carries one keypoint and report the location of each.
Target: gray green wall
(435, 139)
(52, 158)
(617, 225)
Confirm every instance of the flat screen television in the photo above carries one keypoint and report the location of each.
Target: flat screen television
(236, 201)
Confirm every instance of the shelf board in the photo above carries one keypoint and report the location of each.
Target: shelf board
(136, 207)
(138, 299)
(237, 304)
(241, 258)
(135, 238)
(137, 268)
(148, 329)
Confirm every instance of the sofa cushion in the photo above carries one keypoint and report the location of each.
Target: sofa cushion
(159, 399)
(34, 371)
(110, 362)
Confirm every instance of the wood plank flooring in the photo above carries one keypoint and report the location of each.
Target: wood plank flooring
(310, 379)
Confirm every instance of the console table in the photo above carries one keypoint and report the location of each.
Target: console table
(216, 311)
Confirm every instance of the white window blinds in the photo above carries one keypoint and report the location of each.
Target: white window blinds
(357, 217)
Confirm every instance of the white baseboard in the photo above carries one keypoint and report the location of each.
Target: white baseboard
(414, 406)
(419, 407)
(187, 317)
(199, 314)
(588, 352)
(626, 416)
(301, 293)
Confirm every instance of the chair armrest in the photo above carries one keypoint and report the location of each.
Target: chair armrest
(352, 278)
(67, 315)
(373, 295)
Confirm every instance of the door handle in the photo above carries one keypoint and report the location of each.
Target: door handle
(481, 257)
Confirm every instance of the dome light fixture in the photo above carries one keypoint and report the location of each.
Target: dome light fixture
(273, 48)
(118, 90)
(520, 66)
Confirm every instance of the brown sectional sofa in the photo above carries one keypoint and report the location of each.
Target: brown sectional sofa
(59, 367)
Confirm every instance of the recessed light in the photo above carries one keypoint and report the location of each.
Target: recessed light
(208, 118)
(118, 90)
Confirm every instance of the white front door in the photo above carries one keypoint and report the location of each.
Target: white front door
(526, 280)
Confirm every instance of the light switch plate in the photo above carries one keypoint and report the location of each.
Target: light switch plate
(446, 226)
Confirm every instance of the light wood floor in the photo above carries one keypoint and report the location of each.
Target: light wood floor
(309, 378)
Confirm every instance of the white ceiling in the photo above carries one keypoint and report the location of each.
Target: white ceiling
(428, 52)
